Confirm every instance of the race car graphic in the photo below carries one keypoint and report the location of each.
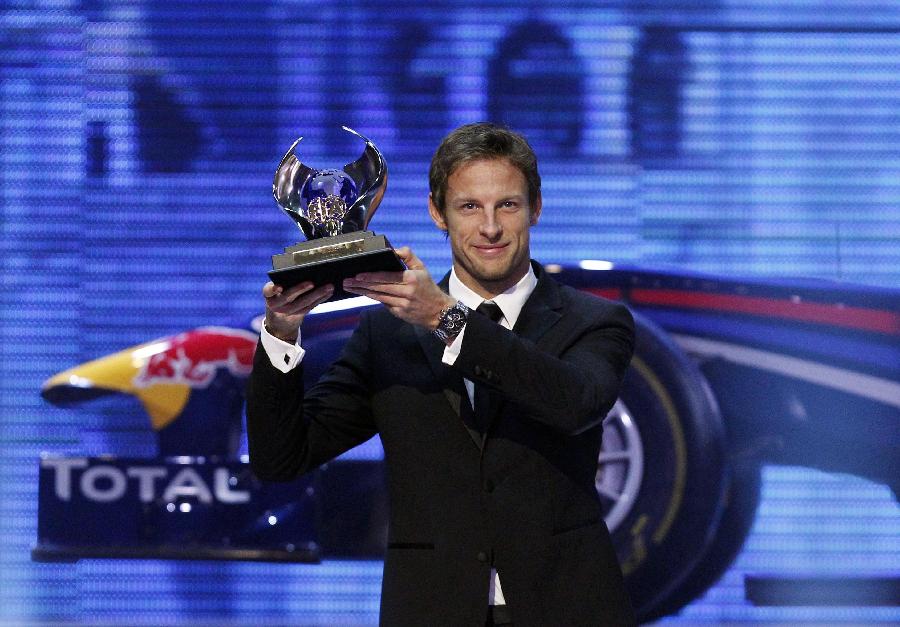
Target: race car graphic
(728, 375)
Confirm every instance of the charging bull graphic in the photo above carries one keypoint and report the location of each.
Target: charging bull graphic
(162, 374)
(193, 358)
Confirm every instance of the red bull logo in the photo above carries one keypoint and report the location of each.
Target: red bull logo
(192, 358)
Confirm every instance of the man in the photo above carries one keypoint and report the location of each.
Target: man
(491, 430)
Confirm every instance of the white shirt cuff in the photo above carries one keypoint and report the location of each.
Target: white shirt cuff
(283, 355)
(452, 351)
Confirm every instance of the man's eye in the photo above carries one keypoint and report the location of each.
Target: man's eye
(510, 204)
(469, 206)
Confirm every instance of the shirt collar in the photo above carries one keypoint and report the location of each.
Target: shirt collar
(510, 302)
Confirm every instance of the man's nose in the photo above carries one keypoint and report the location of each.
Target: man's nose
(490, 228)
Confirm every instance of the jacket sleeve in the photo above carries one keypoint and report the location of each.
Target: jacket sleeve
(571, 388)
(291, 431)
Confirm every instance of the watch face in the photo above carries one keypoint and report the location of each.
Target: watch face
(455, 318)
(452, 322)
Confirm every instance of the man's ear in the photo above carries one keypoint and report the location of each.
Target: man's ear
(436, 216)
(536, 211)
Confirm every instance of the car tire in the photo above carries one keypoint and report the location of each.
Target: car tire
(741, 503)
(662, 472)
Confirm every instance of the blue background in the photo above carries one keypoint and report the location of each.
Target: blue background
(137, 146)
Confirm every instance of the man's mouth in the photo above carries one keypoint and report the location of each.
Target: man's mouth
(491, 250)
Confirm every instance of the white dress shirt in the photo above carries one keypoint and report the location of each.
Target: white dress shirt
(286, 356)
(283, 355)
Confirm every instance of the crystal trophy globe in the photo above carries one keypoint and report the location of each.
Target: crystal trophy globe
(332, 208)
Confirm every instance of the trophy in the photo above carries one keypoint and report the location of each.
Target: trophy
(332, 208)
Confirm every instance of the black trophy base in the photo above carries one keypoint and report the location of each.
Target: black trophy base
(333, 259)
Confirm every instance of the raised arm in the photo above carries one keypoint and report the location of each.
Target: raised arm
(291, 431)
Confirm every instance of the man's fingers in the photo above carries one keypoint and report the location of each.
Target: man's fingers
(326, 294)
(270, 289)
(390, 300)
(294, 292)
(303, 302)
(392, 289)
(409, 258)
(316, 297)
(277, 296)
(380, 277)
(374, 279)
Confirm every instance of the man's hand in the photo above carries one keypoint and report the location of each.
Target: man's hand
(285, 308)
(410, 295)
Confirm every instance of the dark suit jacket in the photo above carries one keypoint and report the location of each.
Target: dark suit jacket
(522, 500)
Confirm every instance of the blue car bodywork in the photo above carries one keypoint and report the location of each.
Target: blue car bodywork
(729, 375)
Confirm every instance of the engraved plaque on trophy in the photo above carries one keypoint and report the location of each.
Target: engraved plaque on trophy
(332, 208)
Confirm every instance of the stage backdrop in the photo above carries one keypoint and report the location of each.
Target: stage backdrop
(137, 146)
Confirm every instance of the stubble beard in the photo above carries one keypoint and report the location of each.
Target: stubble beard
(495, 277)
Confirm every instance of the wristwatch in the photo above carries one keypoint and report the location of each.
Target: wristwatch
(451, 322)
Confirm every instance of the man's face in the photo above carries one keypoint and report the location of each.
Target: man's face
(487, 217)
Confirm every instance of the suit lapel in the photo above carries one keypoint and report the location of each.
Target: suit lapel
(540, 312)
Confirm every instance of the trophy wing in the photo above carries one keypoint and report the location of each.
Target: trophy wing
(369, 173)
(290, 177)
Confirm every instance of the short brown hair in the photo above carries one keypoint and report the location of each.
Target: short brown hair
(482, 140)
